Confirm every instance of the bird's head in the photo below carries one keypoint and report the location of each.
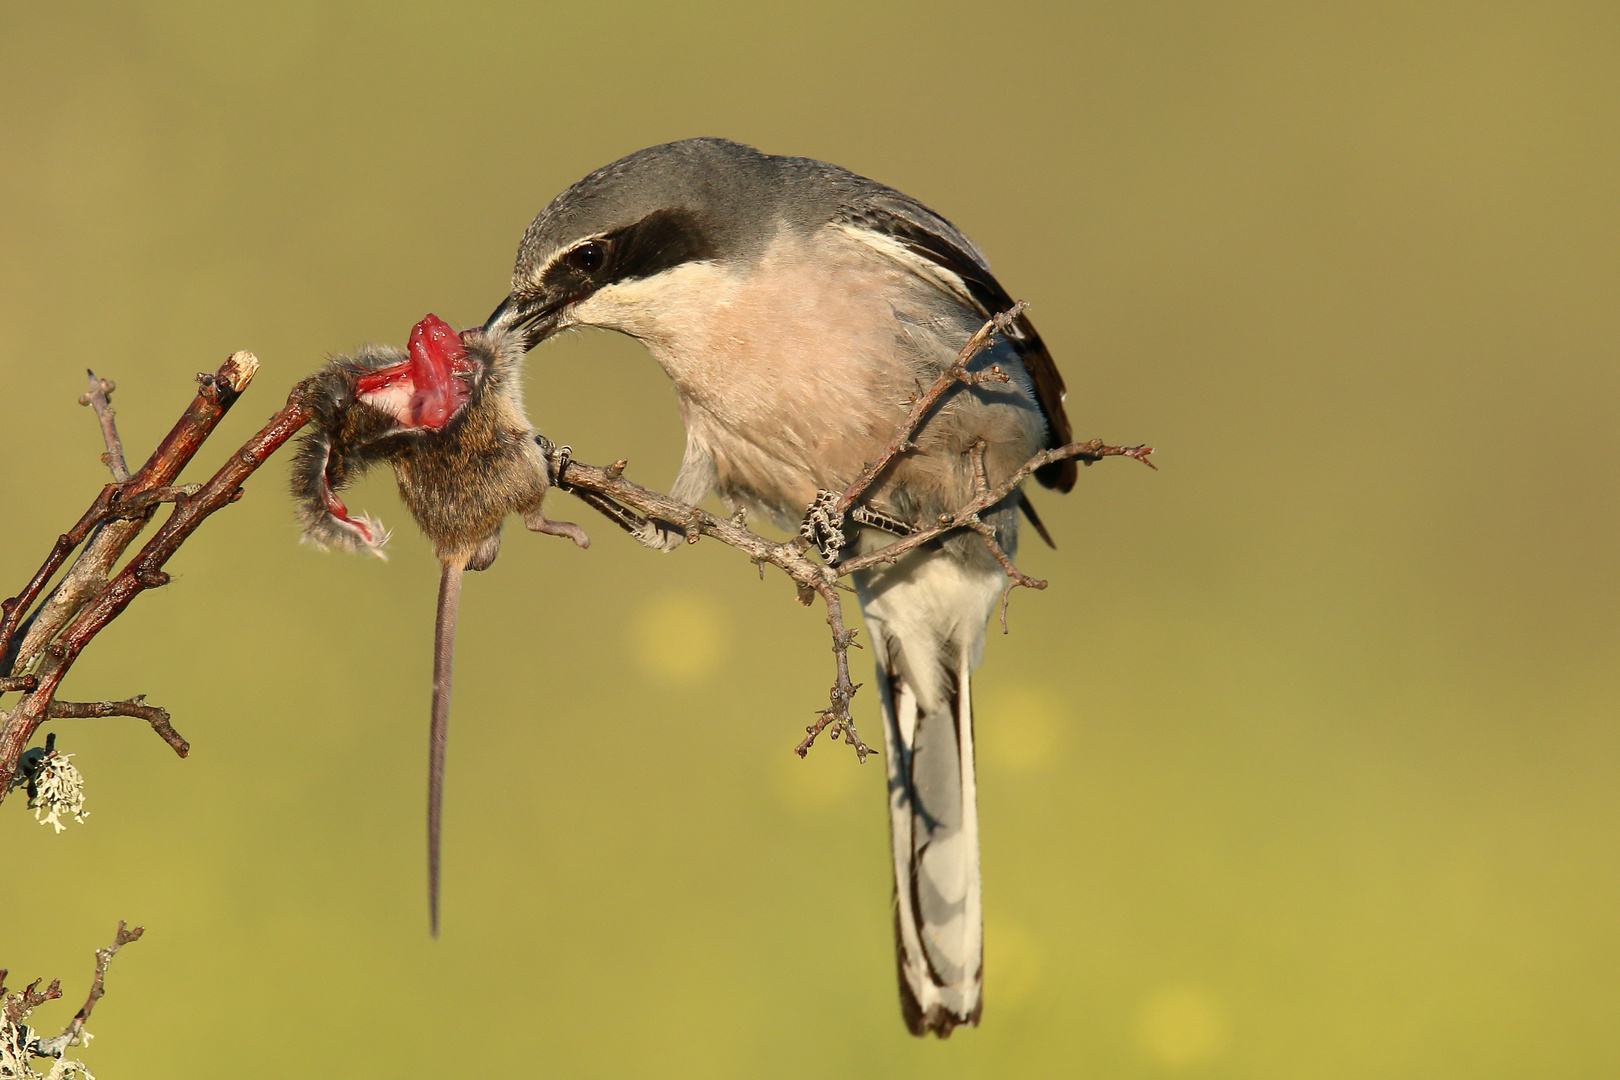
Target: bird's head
(615, 249)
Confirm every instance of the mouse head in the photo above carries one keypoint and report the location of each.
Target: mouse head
(375, 405)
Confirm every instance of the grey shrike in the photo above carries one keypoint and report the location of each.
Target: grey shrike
(798, 308)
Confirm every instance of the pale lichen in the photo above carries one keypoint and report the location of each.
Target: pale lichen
(19, 1044)
(55, 787)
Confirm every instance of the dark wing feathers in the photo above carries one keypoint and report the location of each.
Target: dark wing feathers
(931, 237)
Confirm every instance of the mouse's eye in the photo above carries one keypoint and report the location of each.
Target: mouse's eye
(588, 256)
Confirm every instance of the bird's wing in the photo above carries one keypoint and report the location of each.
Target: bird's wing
(957, 266)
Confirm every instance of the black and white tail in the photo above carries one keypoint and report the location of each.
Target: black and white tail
(927, 624)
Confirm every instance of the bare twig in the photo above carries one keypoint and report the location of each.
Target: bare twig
(72, 1035)
(138, 504)
(99, 397)
(135, 706)
(837, 714)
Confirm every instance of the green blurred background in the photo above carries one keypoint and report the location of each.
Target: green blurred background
(1304, 767)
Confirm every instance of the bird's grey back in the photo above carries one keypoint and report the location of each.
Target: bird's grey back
(738, 196)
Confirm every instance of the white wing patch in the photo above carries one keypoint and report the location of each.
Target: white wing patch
(947, 280)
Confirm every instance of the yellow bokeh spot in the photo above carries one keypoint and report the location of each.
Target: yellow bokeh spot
(679, 637)
(1018, 727)
(1180, 1026)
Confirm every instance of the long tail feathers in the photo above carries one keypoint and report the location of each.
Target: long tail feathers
(933, 815)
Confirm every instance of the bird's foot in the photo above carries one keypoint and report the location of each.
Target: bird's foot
(823, 526)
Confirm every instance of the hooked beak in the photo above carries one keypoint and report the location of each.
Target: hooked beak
(532, 320)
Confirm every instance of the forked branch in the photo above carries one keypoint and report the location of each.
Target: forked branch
(41, 638)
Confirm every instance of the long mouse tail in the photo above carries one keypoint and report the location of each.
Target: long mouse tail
(444, 647)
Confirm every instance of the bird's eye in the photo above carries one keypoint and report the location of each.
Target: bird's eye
(588, 256)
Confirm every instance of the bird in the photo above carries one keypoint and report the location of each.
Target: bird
(447, 414)
(798, 308)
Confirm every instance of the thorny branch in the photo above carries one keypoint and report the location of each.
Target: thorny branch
(18, 1042)
(630, 506)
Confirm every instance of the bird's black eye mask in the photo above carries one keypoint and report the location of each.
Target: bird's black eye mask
(662, 240)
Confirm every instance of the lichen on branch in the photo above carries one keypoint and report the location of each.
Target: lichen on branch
(19, 1043)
